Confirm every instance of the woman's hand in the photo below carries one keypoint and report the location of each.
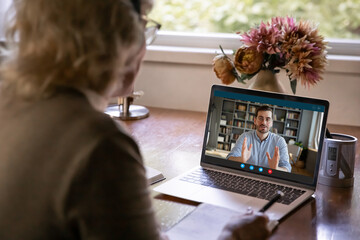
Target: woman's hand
(246, 227)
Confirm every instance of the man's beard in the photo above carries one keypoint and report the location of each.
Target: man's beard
(265, 130)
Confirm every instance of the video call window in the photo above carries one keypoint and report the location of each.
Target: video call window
(299, 127)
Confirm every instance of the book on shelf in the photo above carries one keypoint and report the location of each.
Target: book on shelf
(290, 132)
(293, 115)
(222, 130)
(236, 136)
(225, 130)
(241, 107)
(293, 124)
(239, 124)
(250, 125)
(252, 109)
(228, 130)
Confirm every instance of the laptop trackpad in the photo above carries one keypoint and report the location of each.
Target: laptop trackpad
(229, 200)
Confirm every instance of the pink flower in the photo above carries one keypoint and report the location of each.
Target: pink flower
(283, 23)
(306, 51)
(264, 39)
(283, 44)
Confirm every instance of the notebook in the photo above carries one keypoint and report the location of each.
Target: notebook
(241, 185)
(153, 176)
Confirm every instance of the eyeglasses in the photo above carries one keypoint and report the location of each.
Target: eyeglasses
(268, 119)
(151, 29)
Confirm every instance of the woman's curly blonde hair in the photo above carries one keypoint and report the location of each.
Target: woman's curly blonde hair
(72, 43)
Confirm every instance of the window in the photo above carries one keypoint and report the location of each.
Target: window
(193, 30)
(336, 18)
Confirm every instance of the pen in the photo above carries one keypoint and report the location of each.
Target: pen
(278, 195)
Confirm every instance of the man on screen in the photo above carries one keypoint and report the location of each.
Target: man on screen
(262, 147)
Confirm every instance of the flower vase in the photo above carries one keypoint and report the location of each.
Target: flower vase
(266, 80)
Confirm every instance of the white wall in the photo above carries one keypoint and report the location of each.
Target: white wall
(186, 85)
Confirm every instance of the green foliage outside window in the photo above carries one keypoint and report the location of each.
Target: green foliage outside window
(335, 18)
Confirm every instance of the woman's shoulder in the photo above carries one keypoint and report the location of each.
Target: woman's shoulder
(73, 112)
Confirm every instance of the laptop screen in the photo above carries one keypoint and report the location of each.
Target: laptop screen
(264, 133)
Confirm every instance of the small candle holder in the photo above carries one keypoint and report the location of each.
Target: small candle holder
(125, 110)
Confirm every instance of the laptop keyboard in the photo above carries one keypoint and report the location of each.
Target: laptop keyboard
(242, 185)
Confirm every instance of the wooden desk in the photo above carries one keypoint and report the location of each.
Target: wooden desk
(171, 141)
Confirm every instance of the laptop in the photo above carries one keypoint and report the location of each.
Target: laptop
(238, 186)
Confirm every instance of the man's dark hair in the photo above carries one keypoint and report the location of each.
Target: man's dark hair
(263, 108)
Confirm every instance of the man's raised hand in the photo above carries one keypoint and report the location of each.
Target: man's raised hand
(245, 152)
(274, 161)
